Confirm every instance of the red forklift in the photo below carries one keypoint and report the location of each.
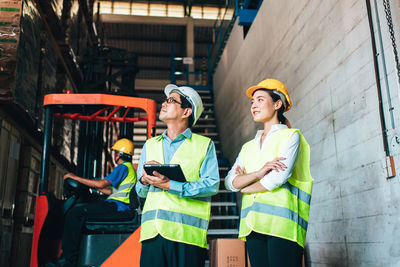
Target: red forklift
(108, 242)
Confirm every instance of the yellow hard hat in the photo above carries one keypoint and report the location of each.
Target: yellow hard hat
(273, 85)
(124, 145)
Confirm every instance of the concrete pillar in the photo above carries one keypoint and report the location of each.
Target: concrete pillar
(190, 45)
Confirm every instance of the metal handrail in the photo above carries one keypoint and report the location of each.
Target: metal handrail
(221, 29)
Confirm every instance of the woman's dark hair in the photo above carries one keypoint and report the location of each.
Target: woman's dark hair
(282, 119)
(186, 104)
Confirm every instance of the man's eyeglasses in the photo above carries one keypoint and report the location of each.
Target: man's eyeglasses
(170, 100)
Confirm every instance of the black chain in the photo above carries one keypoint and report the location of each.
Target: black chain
(386, 5)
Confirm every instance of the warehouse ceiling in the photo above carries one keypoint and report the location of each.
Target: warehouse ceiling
(151, 28)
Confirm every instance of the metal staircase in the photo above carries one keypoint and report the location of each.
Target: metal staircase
(224, 221)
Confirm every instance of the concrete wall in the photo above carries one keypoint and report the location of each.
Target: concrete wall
(322, 51)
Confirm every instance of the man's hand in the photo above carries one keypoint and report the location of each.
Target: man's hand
(274, 164)
(153, 162)
(106, 191)
(157, 180)
(97, 184)
(143, 179)
(71, 175)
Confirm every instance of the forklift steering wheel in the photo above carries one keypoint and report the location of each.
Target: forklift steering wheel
(75, 188)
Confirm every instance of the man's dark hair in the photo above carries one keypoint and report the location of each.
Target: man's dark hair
(186, 104)
(124, 156)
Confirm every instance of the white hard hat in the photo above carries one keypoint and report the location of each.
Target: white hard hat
(191, 95)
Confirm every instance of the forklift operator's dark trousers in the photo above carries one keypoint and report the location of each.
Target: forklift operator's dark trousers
(75, 220)
(162, 252)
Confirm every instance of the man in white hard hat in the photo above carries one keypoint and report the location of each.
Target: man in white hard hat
(176, 214)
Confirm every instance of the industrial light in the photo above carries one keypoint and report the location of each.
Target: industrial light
(178, 73)
(178, 58)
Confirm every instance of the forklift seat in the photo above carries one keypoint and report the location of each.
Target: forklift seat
(124, 221)
(103, 236)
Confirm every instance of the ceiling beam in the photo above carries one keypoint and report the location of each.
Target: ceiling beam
(152, 54)
(88, 18)
(131, 19)
(150, 84)
(154, 39)
(164, 55)
(157, 68)
(207, 3)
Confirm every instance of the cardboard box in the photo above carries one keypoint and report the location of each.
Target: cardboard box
(10, 9)
(226, 252)
(229, 252)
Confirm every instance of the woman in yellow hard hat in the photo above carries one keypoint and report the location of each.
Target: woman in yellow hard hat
(272, 172)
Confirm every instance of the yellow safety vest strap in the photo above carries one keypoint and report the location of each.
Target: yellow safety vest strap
(120, 194)
(126, 186)
(294, 190)
(123, 187)
(276, 211)
(172, 216)
(178, 219)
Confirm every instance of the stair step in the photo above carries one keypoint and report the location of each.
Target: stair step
(138, 150)
(223, 232)
(210, 134)
(223, 204)
(140, 143)
(142, 129)
(207, 111)
(225, 191)
(205, 105)
(143, 136)
(197, 126)
(206, 97)
(201, 120)
(203, 92)
(225, 217)
(208, 119)
(143, 124)
(139, 136)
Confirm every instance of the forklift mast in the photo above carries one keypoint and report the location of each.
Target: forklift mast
(96, 111)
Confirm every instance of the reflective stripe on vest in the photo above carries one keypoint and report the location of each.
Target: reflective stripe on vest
(121, 193)
(284, 211)
(178, 219)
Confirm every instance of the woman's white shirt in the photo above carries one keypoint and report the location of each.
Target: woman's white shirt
(273, 179)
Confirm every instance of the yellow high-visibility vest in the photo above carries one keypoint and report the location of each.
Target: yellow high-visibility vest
(177, 219)
(282, 212)
(121, 193)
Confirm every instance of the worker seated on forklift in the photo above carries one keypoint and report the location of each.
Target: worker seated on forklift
(117, 185)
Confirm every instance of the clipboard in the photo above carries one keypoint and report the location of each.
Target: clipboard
(172, 171)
